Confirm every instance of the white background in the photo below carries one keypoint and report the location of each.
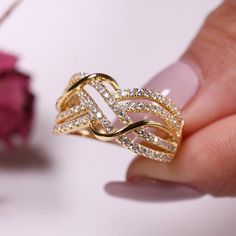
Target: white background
(130, 40)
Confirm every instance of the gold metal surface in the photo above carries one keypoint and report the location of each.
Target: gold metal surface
(79, 114)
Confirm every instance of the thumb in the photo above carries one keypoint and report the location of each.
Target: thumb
(203, 83)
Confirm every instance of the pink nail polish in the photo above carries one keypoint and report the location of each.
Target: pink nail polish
(179, 81)
(152, 191)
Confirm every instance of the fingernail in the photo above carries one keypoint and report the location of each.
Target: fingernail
(152, 191)
(178, 81)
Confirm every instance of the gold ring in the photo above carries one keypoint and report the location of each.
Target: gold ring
(79, 114)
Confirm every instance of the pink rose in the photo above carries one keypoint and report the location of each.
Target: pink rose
(16, 101)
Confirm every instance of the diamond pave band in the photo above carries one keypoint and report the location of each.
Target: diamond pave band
(157, 138)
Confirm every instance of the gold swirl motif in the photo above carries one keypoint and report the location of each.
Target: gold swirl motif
(79, 114)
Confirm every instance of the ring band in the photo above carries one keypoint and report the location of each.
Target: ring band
(79, 114)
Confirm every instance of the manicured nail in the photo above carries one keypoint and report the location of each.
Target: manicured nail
(152, 191)
(179, 81)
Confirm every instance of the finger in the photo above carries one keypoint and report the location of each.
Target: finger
(146, 189)
(211, 55)
(207, 161)
(204, 78)
(214, 52)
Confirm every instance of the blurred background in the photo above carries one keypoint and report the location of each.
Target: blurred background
(54, 185)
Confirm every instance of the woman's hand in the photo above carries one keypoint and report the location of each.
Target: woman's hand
(204, 84)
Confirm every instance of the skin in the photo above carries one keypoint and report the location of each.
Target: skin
(207, 157)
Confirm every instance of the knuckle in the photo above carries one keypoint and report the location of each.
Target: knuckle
(223, 20)
(214, 48)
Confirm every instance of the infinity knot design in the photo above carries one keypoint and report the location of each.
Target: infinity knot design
(157, 138)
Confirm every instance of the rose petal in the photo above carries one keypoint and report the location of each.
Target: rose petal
(7, 62)
(13, 88)
(8, 124)
(16, 101)
(25, 125)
